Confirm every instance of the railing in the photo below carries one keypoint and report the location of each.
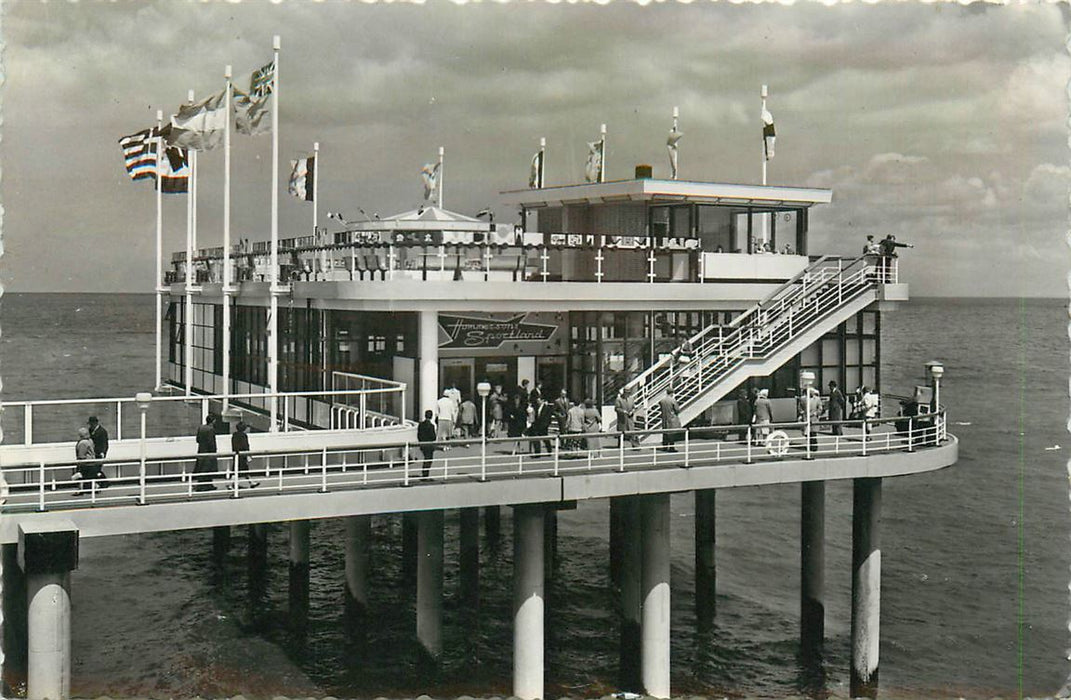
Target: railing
(702, 361)
(43, 487)
(375, 403)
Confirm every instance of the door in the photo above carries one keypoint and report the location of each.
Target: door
(457, 372)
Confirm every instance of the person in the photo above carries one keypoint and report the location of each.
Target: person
(537, 392)
(206, 445)
(455, 395)
(99, 436)
(871, 246)
(808, 412)
(574, 425)
(837, 406)
(522, 391)
(447, 411)
(888, 247)
(592, 424)
(869, 407)
(743, 408)
(467, 415)
(240, 447)
(625, 408)
(541, 420)
(671, 419)
(426, 435)
(516, 421)
(88, 468)
(762, 416)
(561, 410)
(497, 402)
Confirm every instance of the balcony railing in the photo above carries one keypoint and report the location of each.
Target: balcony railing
(50, 487)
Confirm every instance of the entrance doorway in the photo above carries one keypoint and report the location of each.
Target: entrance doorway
(498, 370)
(457, 373)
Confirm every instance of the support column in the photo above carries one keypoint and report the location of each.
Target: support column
(866, 586)
(655, 587)
(629, 673)
(705, 570)
(470, 558)
(812, 567)
(616, 507)
(47, 554)
(221, 543)
(257, 559)
(409, 550)
(550, 541)
(299, 568)
(429, 604)
(429, 362)
(492, 525)
(14, 621)
(358, 530)
(528, 592)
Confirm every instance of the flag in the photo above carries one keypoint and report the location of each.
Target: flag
(535, 175)
(593, 168)
(430, 173)
(768, 132)
(139, 154)
(252, 113)
(199, 125)
(303, 178)
(671, 144)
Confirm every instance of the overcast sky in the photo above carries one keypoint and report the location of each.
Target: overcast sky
(943, 124)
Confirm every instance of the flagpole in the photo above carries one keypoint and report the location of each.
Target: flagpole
(440, 183)
(273, 312)
(542, 160)
(159, 249)
(228, 290)
(602, 155)
(317, 239)
(765, 217)
(676, 151)
(191, 196)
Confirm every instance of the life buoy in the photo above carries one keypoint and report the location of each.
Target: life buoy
(777, 443)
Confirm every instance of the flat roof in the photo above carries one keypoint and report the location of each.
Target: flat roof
(650, 190)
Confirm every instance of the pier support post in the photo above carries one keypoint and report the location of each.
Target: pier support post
(812, 568)
(550, 541)
(257, 559)
(429, 604)
(630, 677)
(492, 525)
(47, 554)
(299, 568)
(470, 558)
(705, 570)
(528, 594)
(656, 623)
(617, 506)
(429, 361)
(409, 550)
(14, 622)
(221, 543)
(358, 530)
(866, 586)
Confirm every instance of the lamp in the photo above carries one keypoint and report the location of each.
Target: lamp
(483, 389)
(143, 399)
(936, 370)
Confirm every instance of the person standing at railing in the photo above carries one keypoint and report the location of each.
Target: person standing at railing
(426, 435)
(808, 412)
(99, 436)
(625, 408)
(744, 408)
(888, 247)
(88, 468)
(671, 420)
(447, 413)
(837, 405)
(206, 446)
(497, 402)
(467, 417)
(543, 415)
(592, 424)
(240, 447)
(762, 416)
(516, 420)
(561, 410)
(574, 425)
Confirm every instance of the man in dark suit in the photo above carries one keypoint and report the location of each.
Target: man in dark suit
(426, 434)
(99, 436)
(837, 406)
(543, 414)
(206, 445)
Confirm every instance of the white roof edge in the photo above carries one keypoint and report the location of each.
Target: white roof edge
(647, 189)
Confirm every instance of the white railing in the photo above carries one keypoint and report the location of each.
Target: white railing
(369, 402)
(44, 487)
(377, 403)
(703, 360)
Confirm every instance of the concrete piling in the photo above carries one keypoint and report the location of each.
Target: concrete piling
(812, 568)
(469, 579)
(358, 532)
(528, 596)
(429, 604)
(631, 563)
(705, 570)
(655, 589)
(866, 586)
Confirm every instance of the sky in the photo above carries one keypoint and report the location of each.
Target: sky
(943, 124)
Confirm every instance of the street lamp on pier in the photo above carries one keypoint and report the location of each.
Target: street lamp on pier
(483, 389)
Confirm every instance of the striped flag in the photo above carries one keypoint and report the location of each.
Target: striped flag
(199, 125)
(252, 107)
(430, 174)
(302, 178)
(593, 168)
(768, 133)
(174, 171)
(139, 154)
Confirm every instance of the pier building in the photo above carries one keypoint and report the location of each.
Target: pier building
(659, 286)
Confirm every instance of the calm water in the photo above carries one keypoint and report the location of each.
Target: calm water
(975, 558)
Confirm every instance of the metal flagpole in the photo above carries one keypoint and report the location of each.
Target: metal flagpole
(159, 249)
(317, 239)
(602, 155)
(273, 311)
(228, 290)
(191, 196)
(542, 160)
(440, 182)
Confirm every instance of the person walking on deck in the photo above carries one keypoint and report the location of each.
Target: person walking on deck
(561, 410)
(744, 408)
(426, 435)
(99, 436)
(625, 408)
(88, 469)
(467, 417)
(762, 416)
(574, 425)
(447, 412)
(837, 406)
(240, 447)
(516, 421)
(497, 403)
(542, 417)
(592, 424)
(206, 445)
(671, 420)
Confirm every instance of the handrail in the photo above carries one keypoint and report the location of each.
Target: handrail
(36, 487)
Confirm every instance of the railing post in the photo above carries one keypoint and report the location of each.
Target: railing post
(749, 444)
(621, 453)
(286, 414)
(323, 471)
(557, 447)
(687, 433)
(390, 261)
(118, 420)
(364, 413)
(911, 434)
(483, 457)
(204, 407)
(405, 465)
(41, 488)
(865, 431)
(27, 424)
(234, 475)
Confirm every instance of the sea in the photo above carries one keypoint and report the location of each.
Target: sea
(975, 558)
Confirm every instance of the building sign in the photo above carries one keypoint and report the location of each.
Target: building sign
(483, 333)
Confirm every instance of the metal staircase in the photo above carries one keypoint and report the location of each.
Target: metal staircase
(711, 363)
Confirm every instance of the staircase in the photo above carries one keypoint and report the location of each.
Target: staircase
(713, 362)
